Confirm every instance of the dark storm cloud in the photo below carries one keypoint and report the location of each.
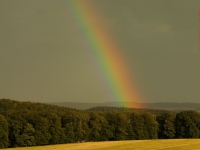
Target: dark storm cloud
(42, 58)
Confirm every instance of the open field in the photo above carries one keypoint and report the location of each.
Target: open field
(178, 144)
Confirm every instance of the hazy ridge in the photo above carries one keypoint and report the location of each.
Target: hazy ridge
(159, 105)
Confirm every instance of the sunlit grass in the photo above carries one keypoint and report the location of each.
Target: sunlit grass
(178, 144)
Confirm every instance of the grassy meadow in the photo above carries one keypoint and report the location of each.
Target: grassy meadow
(174, 144)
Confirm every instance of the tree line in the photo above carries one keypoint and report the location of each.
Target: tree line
(31, 124)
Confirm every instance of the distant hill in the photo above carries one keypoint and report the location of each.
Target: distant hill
(124, 109)
(174, 106)
(166, 106)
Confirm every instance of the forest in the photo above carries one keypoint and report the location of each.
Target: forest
(30, 124)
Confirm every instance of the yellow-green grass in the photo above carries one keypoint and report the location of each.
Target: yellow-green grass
(175, 144)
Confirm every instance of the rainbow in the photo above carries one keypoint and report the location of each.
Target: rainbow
(106, 53)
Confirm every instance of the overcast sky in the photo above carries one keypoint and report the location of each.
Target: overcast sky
(43, 60)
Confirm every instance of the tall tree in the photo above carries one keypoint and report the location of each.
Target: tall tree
(4, 141)
(26, 137)
(99, 128)
(94, 126)
(187, 124)
(137, 122)
(41, 126)
(55, 128)
(118, 122)
(150, 126)
(166, 126)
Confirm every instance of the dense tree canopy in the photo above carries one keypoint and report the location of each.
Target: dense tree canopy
(29, 124)
(187, 124)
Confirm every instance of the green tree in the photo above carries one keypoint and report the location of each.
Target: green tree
(130, 132)
(4, 141)
(166, 126)
(68, 122)
(26, 138)
(69, 135)
(41, 125)
(55, 128)
(99, 128)
(21, 133)
(81, 128)
(118, 122)
(15, 127)
(105, 131)
(94, 126)
(138, 123)
(187, 124)
(150, 126)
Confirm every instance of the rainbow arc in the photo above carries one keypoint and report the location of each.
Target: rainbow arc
(106, 53)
